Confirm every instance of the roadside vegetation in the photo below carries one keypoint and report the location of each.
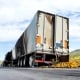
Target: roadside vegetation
(74, 61)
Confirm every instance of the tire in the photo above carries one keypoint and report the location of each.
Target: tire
(24, 62)
(31, 63)
(18, 64)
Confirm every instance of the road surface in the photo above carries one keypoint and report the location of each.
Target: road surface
(39, 74)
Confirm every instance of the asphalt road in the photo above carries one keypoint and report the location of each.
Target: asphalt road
(39, 74)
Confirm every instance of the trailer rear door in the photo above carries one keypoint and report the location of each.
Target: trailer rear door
(61, 34)
(45, 32)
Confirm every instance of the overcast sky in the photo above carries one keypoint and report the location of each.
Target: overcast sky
(15, 15)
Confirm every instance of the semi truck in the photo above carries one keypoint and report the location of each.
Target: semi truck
(44, 42)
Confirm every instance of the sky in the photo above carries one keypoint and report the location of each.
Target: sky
(16, 15)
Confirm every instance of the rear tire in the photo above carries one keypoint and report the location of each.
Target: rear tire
(18, 64)
(31, 62)
(24, 62)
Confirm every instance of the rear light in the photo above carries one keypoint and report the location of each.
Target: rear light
(39, 61)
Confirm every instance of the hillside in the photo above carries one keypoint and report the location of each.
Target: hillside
(75, 54)
(75, 57)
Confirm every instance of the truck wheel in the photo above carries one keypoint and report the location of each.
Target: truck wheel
(18, 63)
(31, 63)
(24, 62)
(21, 63)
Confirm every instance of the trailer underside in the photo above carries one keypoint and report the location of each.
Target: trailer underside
(38, 59)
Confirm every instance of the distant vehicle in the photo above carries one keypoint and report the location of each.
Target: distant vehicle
(44, 42)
